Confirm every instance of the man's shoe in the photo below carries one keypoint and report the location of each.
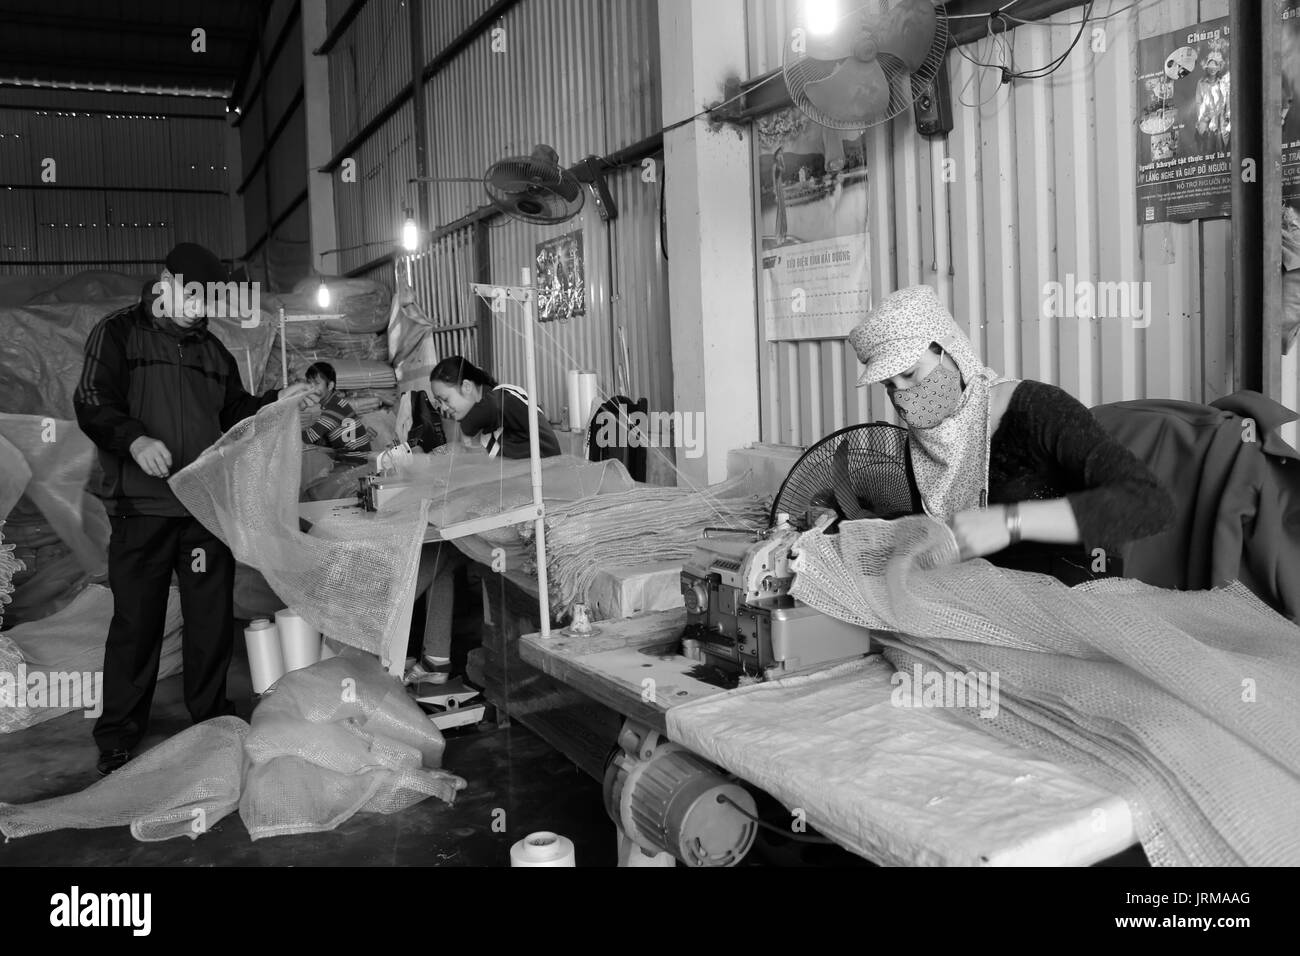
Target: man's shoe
(110, 760)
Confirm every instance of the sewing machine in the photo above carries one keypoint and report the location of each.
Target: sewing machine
(375, 491)
(740, 615)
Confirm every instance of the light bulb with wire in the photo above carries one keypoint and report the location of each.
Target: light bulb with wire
(410, 234)
(323, 294)
(821, 16)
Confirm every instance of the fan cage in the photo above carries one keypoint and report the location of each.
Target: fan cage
(879, 468)
(904, 86)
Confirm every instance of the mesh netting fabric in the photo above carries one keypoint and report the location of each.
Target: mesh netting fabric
(334, 739)
(330, 740)
(179, 788)
(348, 579)
(1183, 702)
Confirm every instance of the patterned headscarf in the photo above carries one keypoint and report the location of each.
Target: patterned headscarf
(950, 460)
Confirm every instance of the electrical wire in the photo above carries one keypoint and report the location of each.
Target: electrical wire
(1044, 71)
(1007, 69)
(1021, 21)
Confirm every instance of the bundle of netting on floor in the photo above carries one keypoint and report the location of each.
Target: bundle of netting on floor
(182, 787)
(347, 580)
(338, 738)
(1182, 702)
(643, 525)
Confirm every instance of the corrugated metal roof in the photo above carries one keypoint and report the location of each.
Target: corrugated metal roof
(145, 42)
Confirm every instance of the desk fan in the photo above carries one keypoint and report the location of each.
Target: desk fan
(862, 471)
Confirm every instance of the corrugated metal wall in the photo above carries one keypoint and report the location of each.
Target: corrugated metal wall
(369, 211)
(114, 156)
(275, 194)
(441, 277)
(579, 75)
(1044, 187)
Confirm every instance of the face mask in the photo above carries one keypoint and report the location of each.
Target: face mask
(930, 400)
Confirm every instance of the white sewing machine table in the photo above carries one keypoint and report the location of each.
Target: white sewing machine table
(913, 786)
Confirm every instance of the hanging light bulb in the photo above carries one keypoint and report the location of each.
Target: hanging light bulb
(822, 16)
(323, 294)
(410, 233)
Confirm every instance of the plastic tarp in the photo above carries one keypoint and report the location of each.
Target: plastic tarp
(60, 532)
(71, 641)
(42, 351)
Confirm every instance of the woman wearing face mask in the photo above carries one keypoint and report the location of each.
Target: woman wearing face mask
(1020, 470)
(497, 415)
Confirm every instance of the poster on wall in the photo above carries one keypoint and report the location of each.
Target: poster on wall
(1184, 148)
(813, 217)
(1290, 32)
(560, 284)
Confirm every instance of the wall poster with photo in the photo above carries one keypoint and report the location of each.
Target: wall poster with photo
(813, 222)
(561, 285)
(1185, 124)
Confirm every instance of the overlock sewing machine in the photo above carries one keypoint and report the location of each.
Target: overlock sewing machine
(740, 615)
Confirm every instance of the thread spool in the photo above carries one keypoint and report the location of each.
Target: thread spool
(265, 656)
(299, 641)
(543, 849)
(583, 395)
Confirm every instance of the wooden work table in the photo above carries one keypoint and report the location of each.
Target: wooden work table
(631, 666)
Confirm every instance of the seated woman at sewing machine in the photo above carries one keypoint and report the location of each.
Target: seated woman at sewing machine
(497, 416)
(1020, 470)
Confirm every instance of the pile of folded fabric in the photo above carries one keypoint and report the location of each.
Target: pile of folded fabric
(645, 525)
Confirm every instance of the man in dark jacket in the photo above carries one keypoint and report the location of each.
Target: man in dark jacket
(158, 388)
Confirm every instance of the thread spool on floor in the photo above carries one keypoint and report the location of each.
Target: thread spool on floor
(543, 849)
(265, 655)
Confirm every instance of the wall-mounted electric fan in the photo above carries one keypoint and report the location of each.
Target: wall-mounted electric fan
(871, 66)
(536, 188)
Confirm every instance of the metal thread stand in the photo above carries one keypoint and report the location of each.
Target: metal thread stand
(522, 294)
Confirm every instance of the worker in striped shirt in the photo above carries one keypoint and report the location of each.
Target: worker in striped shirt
(337, 426)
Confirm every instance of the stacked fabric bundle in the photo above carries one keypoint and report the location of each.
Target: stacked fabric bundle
(642, 526)
(354, 374)
(363, 345)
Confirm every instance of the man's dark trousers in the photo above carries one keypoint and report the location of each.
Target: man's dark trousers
(142, 553)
